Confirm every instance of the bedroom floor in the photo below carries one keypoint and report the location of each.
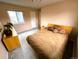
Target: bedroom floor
(25, 51)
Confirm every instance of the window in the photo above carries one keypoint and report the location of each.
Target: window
(16, 17)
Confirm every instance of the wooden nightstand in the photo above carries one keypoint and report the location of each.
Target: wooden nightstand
(11, 43)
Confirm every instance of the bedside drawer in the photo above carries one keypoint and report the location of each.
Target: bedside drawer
(11, 42)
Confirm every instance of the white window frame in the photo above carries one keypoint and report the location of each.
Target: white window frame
(17, 19)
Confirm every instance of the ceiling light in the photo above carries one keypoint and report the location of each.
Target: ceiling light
(36, 0)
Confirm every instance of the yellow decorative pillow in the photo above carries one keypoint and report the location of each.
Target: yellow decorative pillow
(64, 28)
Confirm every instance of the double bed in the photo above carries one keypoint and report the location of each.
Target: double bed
(48, 44)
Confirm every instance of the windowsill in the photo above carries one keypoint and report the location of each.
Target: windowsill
(19, 24)
(27, 30)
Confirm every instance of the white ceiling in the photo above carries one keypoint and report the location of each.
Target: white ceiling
(31, 3)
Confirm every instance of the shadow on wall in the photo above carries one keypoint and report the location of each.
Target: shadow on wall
(71, 51)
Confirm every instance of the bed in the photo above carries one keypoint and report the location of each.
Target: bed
(48, 44)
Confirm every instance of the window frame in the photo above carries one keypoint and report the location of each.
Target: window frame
(16, 17)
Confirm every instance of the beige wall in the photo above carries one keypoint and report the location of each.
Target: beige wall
(62, 13)
(4, 18)
(3, 51)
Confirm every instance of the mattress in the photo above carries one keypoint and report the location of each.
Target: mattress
(48, 44)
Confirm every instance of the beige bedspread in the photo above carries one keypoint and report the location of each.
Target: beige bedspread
(48, 43)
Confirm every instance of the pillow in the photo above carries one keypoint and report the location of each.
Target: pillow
(60, 28)
(50, 28)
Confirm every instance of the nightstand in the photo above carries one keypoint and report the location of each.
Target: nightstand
(11, 43)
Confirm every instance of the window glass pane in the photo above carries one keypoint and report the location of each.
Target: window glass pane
(13, 18)
(16, 17)
(20, 17)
